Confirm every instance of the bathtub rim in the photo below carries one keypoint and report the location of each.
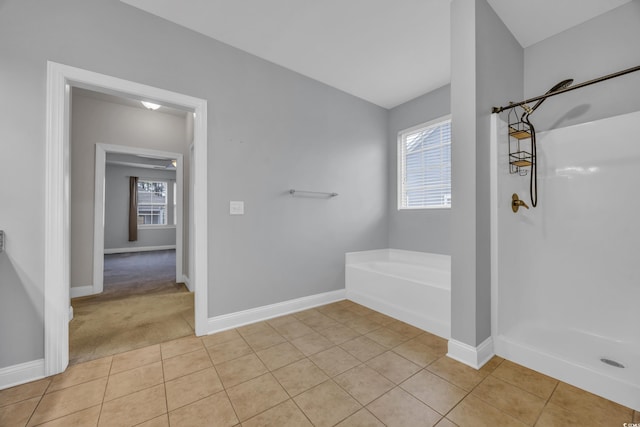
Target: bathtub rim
(435, 260)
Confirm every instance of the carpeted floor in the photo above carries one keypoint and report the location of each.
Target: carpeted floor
(141, 305)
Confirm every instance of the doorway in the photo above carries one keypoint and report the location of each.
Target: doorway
(138, 297)
(60, 80)
(120, 155)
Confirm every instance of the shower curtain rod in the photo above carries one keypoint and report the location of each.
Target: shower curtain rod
(570, 88)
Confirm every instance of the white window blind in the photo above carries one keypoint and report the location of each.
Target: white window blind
(152, 202)
(424, 166)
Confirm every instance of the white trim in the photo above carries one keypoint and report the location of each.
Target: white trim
(190, 265)
(493, 179)
(57, 226)
(200, 226)
(241, 318)
(475, 357)
(99, 209)
(400, 162)
(98, 219)
(142, 249)
(21, 373)
(425, 124)
(57, 205)
(187, 282)
(81, 291)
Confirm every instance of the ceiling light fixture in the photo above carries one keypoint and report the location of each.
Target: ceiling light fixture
(150, 105)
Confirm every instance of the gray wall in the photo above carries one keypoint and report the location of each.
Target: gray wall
(487, 64)
(603, 45)
(21, 312)
(116, 209)
(269, 130)
(98, 121)
(426, 230)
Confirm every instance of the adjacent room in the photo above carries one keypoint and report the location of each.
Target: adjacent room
(335, 213)
(137, 294)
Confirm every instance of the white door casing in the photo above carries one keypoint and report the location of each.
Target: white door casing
(99, 206)
(60, 78)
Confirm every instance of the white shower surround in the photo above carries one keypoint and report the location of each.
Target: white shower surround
(566, 275)
(414, 287)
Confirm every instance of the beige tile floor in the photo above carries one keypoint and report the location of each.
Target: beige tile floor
(340, 364)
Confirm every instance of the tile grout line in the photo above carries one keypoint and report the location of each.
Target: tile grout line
(164, 385)
(278, 404)
(467, 393)
(547, 401)
(65, 388)
(224, 387)
(104, 394)
(39, 401)
(34, 409)
(473, 388)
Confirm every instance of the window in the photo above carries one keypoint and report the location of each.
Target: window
(424, 166)
(152, 202)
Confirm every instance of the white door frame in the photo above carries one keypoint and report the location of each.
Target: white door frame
(60, 78)
(99, 206)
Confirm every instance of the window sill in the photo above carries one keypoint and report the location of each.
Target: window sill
(430, 208)
(155, 227)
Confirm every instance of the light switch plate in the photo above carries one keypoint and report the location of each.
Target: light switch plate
(236, 207)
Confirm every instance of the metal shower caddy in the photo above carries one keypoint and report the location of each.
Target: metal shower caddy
(519, 142)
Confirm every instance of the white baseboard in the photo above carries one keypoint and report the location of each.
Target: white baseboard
(258, 314)
(138, 249)
(187, 282)
(81, 291)
(21, 373)
(475, 357)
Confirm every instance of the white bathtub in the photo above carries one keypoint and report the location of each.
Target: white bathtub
(414, 287)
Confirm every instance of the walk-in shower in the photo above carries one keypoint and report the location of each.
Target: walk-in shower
(566, 276)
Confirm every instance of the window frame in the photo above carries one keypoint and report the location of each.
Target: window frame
(401, 161)
(167, 205)
(175, 204)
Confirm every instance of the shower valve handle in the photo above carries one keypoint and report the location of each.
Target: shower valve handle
(516, 203)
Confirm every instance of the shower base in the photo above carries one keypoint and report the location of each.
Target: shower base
(574, 356)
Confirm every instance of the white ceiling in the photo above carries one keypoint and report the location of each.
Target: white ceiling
(386, 52)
